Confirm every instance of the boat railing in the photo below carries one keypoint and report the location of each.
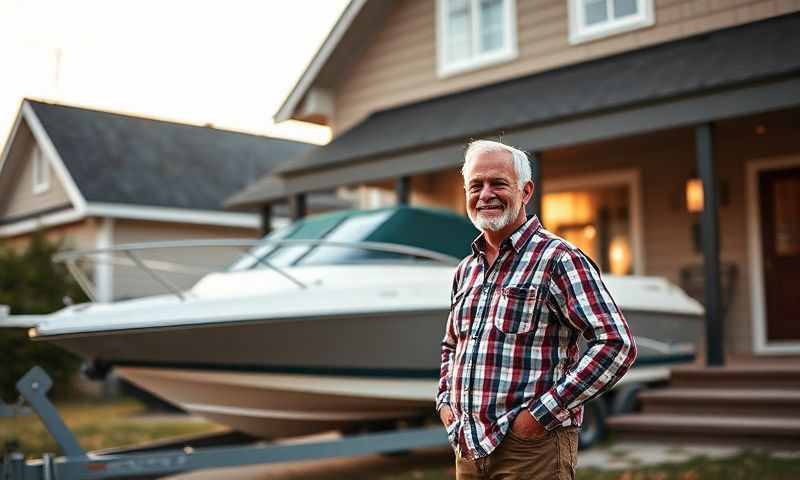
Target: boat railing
(131, 256)
(663, 347)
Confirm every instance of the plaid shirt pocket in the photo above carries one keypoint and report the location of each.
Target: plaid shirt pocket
(518, 309)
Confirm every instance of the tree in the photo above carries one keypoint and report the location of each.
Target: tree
(30, 284)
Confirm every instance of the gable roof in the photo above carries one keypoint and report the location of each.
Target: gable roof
(122, 159)
(702, 63)
(351, 34)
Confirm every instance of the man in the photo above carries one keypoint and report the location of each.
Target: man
(512, 384)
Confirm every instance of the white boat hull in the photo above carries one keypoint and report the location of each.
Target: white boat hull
(357, 346)
(277, 405)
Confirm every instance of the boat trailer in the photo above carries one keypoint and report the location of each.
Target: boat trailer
(76, 463)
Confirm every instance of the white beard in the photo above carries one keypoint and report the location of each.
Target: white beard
(495, 223)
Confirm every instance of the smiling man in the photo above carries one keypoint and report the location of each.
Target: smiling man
(513, 382)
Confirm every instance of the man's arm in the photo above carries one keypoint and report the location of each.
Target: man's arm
(445, 371)
(448, 351)
(584, 301)
(445, 375)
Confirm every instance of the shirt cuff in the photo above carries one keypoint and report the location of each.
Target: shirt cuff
(442, 400)
(547, 410)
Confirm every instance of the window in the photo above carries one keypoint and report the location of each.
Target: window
(41, 171)
(600, 215)
(592, 19)
(474, 34)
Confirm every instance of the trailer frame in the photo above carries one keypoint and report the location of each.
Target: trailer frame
(76, 463)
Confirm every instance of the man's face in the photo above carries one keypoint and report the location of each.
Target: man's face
(494, 198)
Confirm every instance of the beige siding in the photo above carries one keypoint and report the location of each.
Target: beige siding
(440, 190)
(665, 161)
(132, 231)
(132, 282)
(400, 66)
(78, 236)
(19, 198)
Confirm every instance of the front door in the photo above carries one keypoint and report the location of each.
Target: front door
(780, 232)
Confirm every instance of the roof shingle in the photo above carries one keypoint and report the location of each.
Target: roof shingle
(116, 158)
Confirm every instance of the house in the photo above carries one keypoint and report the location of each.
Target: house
(628, 109)
(664, 132)
(98, 179)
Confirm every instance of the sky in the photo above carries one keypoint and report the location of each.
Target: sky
(228, 63)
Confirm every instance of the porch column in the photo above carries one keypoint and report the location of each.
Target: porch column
(297, 206)
(266, 219)
(534, 207)
(709, 227)
(402, 188)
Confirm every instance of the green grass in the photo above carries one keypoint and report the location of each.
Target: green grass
(746, 466)
(98, 425)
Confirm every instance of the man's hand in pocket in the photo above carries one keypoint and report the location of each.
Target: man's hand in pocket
(526, 426)
(446, 414)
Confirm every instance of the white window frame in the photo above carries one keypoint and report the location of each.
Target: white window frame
(476, 61)
(41, 171)
(579, 32)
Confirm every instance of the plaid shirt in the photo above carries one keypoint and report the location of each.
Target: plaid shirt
(511, 340)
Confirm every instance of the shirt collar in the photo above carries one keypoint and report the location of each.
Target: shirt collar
(517, 239)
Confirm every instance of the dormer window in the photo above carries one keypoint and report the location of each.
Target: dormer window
(41, 171)
(592, 19)
(472, 34)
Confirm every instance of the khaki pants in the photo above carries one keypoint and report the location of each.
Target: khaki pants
(552, 457)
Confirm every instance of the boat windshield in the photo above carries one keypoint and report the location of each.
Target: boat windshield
(349, 229)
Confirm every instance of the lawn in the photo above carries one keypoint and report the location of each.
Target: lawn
(746, 466)
(100, 425)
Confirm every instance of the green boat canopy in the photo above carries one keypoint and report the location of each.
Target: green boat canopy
(437, 230)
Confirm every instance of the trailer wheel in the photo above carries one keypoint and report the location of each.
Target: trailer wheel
(594, 424)
(626, 399)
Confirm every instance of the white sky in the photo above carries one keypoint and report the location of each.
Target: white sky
(230, 63)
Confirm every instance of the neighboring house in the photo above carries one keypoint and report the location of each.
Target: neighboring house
(98, 179)
(629, 106)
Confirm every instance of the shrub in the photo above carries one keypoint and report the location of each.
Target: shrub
(30, 284)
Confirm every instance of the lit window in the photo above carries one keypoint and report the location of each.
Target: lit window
(591, 19)
(41, 171)
(596, 220)
(475, 33)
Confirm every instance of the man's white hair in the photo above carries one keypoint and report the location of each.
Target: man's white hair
(520, 160)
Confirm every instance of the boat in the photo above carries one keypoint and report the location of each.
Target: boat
(331, 323)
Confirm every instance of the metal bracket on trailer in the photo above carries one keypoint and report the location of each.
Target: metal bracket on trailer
(77, 464)
(15, 410)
